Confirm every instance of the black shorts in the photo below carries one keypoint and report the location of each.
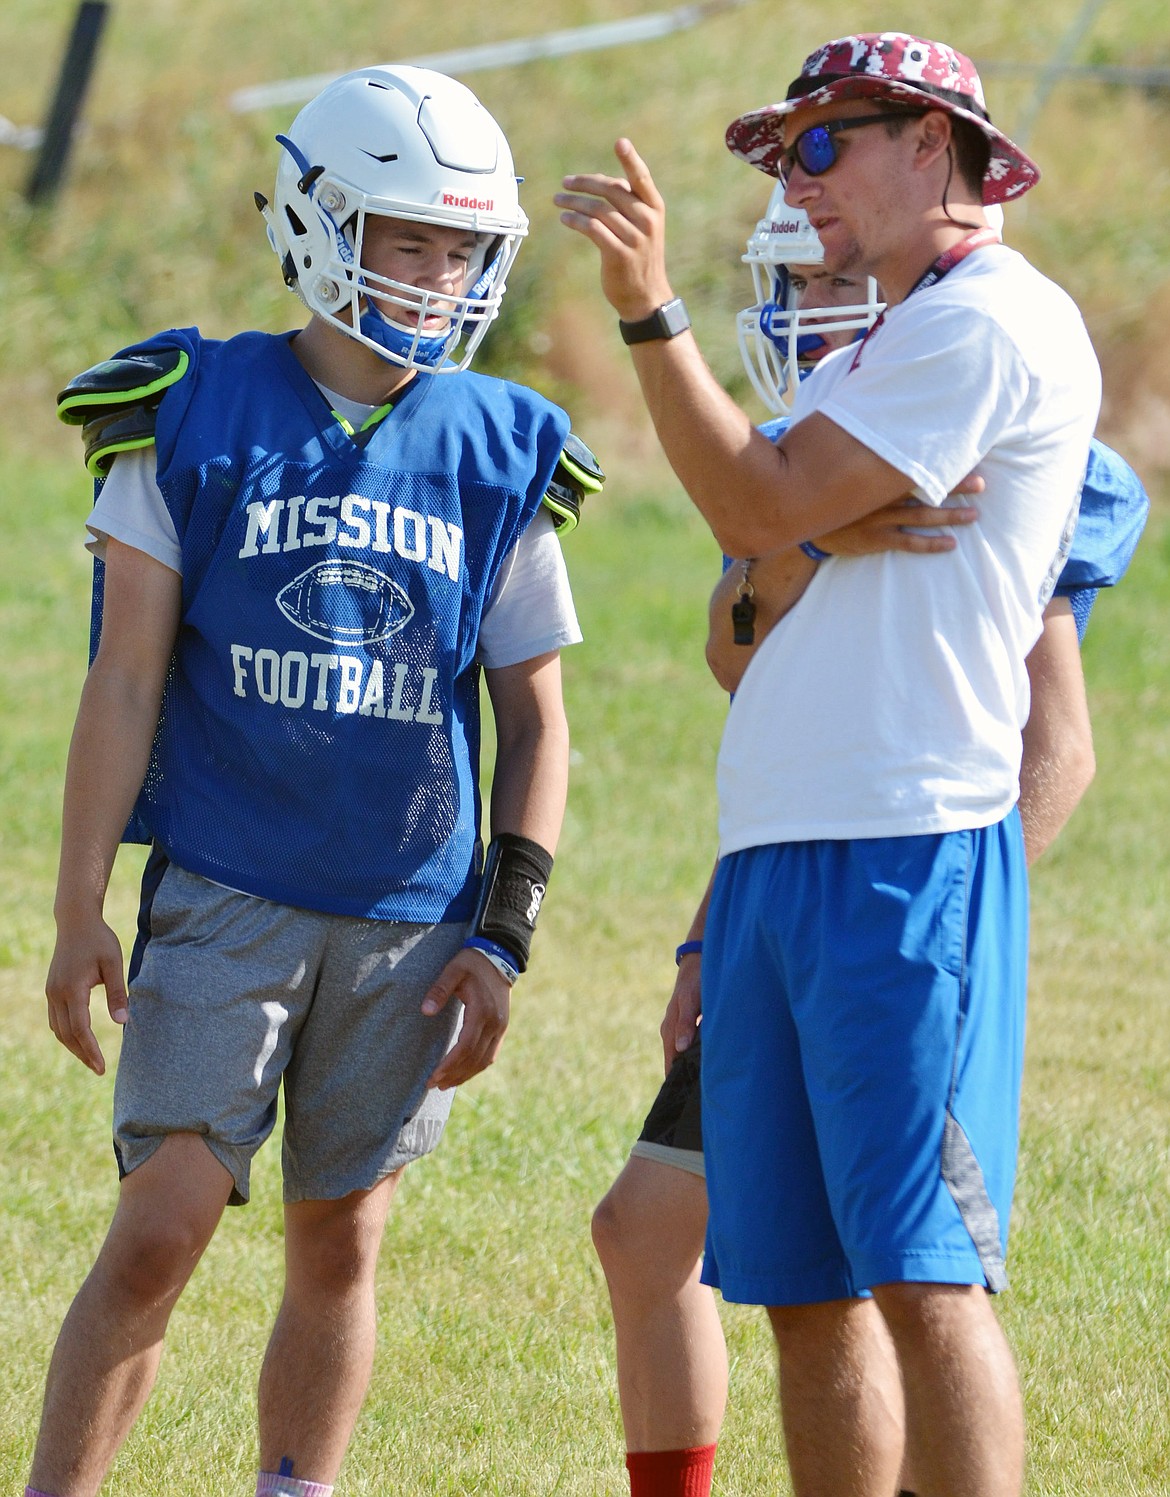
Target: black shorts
(674, 1124)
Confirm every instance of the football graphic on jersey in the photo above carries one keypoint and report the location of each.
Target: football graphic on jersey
(345, 602)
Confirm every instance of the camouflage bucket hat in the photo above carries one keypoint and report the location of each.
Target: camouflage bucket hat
(887, 65)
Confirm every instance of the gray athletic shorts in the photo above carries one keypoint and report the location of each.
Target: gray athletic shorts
(236, 994)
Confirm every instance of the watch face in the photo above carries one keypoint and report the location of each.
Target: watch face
(674, 317)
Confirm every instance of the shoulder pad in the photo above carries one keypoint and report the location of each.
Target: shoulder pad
(577, 474)
(115, 402)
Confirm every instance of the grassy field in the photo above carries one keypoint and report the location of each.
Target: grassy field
(495, 1373)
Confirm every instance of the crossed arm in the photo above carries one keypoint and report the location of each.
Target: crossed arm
(779, 578)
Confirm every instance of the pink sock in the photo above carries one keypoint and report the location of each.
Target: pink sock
(276, 1484)
(34, 1492)
(671, 1473)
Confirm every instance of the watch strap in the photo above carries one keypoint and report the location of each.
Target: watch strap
(668, 321)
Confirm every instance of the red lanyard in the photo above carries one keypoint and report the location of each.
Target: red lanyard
(945, 263)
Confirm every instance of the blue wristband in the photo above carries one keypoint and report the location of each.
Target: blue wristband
(688, 948)
(814, 551)
(503, 960)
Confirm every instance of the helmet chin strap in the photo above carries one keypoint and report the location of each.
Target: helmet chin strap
(428, 353)
(773, 325)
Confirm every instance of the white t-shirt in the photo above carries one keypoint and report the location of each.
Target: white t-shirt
(889, 701)
(530, 611)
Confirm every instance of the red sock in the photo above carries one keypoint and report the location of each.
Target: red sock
(671, 1473)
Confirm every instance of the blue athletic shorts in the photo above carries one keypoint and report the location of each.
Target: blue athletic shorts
(863, 1037)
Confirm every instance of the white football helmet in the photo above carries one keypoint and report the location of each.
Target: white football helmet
(401, 142)
(779, 341)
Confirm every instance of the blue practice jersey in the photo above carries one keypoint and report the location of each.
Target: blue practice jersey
(1112, 516)
(319, 737)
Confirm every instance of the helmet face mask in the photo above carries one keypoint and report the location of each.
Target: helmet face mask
(407, 144)
(778, 340)
(393, 315)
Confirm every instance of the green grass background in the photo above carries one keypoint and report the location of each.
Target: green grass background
(495, 1372)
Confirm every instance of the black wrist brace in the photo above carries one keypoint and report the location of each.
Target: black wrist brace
(515, 874)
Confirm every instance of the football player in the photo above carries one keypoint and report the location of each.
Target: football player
(310, 545)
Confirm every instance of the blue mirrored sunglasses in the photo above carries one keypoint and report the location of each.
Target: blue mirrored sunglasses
(814, 149)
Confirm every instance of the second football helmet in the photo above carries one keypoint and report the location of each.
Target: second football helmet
(404, 143)
(779, 340)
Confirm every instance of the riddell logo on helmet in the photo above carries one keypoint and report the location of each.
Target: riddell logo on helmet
(485, 205)
(785, 226)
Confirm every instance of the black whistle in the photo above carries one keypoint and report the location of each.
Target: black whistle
(743, 621)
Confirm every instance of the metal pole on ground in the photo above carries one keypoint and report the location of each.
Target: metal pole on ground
(76, 71)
